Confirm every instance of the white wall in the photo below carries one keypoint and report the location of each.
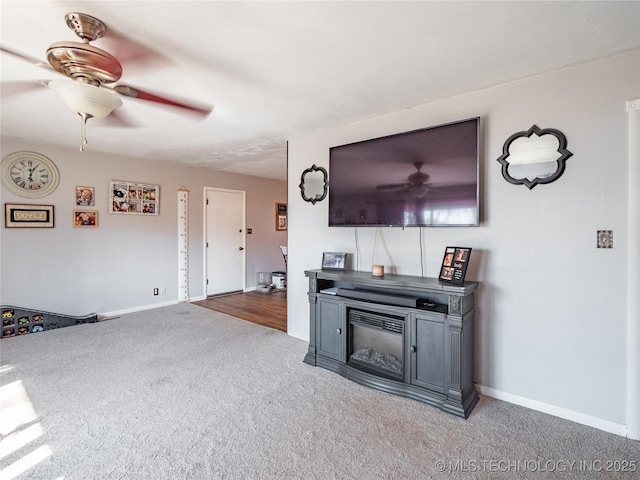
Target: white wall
(551, 309)
(116, 266)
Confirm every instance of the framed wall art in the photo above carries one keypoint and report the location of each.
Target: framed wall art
(85, 196)
(131, 198)
(281, 217)
(85, 218)
(28, 216)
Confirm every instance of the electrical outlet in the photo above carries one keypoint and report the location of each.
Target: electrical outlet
(156, 291)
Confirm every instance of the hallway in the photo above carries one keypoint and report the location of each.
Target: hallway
(269, 310)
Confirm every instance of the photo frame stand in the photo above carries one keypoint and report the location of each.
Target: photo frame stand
(454, 265)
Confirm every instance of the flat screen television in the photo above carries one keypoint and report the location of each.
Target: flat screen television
(422, 178)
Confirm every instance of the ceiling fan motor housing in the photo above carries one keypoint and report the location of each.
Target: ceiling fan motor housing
(81, 61)
(85, 26)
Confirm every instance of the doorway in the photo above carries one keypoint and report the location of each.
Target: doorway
(224, 240)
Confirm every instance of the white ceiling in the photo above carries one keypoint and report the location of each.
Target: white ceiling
(279, 70)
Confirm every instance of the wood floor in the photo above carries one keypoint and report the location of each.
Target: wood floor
(269, 310)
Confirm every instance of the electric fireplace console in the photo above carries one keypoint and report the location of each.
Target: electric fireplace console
(405, 335)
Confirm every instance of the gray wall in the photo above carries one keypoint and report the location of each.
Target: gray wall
(114, 268)
(551, 326)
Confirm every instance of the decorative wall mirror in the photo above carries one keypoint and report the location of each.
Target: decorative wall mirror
(313, 184)
(533, 157)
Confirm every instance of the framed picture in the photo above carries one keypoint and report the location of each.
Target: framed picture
(85, 218)
(454, 264)
(133, 198)
(28, 216)
(281, 217)
(334, 261)
(85, 196)
(281, 223)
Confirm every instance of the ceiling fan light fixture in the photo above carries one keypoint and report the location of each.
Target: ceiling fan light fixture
(419, 191)
(86, 100)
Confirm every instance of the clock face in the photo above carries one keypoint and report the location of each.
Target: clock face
(29, 174)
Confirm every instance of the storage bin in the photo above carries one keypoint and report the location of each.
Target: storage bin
(263, 282)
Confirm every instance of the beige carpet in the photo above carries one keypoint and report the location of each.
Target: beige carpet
(184, 392)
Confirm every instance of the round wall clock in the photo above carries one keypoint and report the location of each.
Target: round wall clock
(29, 174)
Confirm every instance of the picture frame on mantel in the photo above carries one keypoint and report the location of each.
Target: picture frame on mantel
(454, 265)
(334, 261)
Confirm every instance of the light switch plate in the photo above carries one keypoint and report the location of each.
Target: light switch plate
(605, 238)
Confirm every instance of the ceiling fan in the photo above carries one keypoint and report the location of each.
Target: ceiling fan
(417, 184)
(91, 71)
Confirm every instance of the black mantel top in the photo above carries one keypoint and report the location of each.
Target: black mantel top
(393, 281)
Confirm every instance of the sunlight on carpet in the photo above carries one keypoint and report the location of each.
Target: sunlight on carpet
(18, 430)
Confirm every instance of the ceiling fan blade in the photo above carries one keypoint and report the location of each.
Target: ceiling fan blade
(27, 58)
(393, 186)
(132, 54)
(116, 118)
(134, 92)
(8, 89)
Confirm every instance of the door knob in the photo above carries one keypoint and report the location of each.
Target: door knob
(241, 248)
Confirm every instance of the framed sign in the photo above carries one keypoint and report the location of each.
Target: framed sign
(133, 198)
(454, 264)
(281, 217)
(28, 216)
(334, 261)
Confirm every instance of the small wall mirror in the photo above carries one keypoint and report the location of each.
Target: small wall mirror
(313, 184)
(533, 157)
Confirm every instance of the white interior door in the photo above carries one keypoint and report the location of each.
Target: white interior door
(225, 255)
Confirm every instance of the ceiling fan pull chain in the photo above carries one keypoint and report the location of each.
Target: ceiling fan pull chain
(83, 129)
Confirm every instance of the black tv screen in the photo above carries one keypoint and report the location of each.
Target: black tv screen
(426, 177)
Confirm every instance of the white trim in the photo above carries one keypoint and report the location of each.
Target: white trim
(633, 104)
(138, 309)
(633, 433)
(571, 415)
(633, 272)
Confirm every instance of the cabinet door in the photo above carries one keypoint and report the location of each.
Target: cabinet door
(331, 335)
(428, 352)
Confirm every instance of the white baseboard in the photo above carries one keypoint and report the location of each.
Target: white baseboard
(141, 308)
(633, 433)
(581, 418)
(138, 309)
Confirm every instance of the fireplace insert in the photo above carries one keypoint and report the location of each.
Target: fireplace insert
(376, 343)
